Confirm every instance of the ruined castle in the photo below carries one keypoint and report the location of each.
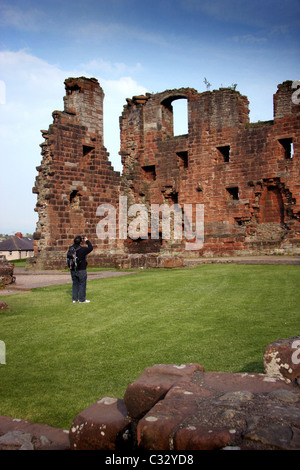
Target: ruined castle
(244, 175)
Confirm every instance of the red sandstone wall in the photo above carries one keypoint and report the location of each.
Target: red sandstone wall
(242, 173)
(75, 175)
(251, 202)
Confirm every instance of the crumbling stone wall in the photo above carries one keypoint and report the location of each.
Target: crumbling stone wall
(75, 175)
(246, 175)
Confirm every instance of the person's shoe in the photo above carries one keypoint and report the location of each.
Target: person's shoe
(84, 302)
(75, 301)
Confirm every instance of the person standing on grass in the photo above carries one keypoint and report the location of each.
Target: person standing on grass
(78, 272)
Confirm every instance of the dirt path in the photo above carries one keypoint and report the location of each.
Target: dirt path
(27, 280)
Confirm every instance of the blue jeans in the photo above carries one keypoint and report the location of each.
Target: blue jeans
(79, 284)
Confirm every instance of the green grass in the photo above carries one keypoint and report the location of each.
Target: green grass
(19, 263)
(62, 357)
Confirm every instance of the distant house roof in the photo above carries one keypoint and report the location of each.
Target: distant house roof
(16, 243)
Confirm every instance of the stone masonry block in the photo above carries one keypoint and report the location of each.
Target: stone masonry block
(156, 430)
(102, 426)
(171, 424)
(195, 437)
(153, 384)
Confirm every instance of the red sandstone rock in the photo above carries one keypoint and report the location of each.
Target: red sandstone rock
(198, 410)
(278, 436)
(155, 431)
(153, 384)
(43, 436)
(195, 437)
(101, 426)
(229, 382)
(212, 410)
(170, 262)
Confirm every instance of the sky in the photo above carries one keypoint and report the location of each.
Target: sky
(131, 47)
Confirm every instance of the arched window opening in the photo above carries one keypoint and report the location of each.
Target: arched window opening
(174, 119)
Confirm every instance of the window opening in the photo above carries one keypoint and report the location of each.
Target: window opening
(75, 197)
(149, 172)
(288, 147)
(180, 116)
(182, 159)
(225, 152)
(233, 193)
(86, 150)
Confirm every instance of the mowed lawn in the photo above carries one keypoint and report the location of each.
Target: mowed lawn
(61, 357)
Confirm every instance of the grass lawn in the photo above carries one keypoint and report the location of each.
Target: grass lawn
(62, 357)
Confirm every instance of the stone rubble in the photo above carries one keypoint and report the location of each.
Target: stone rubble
(181, 408)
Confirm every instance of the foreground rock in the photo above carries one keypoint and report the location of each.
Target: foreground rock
(6, 273)
(215, 410)
(183, 408)
(171, 407)
(16, 434)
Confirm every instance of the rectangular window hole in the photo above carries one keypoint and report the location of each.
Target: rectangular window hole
(233, 193)
(288, 147)
(225, 152)
(149, 172)
(182, 159)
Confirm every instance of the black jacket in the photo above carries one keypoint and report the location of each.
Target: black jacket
(81, 254)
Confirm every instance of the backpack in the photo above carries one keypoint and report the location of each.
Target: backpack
(72, 258)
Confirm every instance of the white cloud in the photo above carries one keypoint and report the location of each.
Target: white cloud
(125, 87)
(33, 90)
